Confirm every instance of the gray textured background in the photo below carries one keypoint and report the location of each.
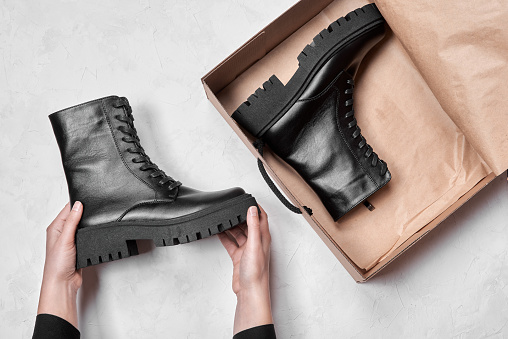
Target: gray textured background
(54, 54)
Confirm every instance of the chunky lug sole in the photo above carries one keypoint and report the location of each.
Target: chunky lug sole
(117, 240)
(269, 103)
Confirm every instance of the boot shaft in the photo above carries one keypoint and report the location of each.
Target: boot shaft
(318, 139)
(97, 163)
(310, 123)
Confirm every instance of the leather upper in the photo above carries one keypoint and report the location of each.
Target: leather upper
(314, 138)
(317, 137)
(100, 171)
(189, 201)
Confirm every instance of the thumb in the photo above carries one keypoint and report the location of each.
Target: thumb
(254, 233)
(71, 224)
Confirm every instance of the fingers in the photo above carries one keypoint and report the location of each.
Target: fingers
(71, 223)
(244, 228)
(228, 244)
(57, 224)
(263, 224)
(238, 234)
(256, 232)
(55, 228)
(253, 224)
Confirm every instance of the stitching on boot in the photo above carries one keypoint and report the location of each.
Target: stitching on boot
(152, 202)
(83, 104)
(323, 92)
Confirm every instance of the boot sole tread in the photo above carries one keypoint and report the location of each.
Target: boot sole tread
(269, 103)
(107, 243)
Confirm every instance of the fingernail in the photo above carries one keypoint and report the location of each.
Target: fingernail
(77, 206)
(253, 211)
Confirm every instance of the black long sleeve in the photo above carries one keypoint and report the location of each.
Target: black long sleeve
(48, 326)
(258, 332)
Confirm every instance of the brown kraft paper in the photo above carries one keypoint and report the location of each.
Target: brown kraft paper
(432, 149)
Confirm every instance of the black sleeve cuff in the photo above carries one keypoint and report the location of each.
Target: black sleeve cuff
(258, 332)
(48, 326)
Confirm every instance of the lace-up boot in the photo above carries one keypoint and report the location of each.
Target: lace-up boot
(124, 194)
(310, 122)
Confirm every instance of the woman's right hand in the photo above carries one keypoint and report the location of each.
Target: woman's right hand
(249, 249)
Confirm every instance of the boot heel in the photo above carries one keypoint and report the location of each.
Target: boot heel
(95, 246)
(262, 107)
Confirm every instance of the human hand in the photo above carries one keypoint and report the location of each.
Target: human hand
(249, 249)
(61, 280)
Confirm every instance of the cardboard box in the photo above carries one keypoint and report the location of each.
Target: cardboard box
(437, 163)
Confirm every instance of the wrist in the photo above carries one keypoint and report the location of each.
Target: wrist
(253, 308)
(59, 298)
(254, 293)
(51, 282)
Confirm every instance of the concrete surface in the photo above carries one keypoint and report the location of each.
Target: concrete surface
(54, 54)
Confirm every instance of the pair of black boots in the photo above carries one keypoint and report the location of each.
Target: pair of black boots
(309, 123)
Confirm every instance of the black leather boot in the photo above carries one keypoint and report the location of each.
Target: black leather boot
(124, 194)
(310, 121)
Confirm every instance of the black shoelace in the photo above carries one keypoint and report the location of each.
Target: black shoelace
(369, 152)
(132, 137)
